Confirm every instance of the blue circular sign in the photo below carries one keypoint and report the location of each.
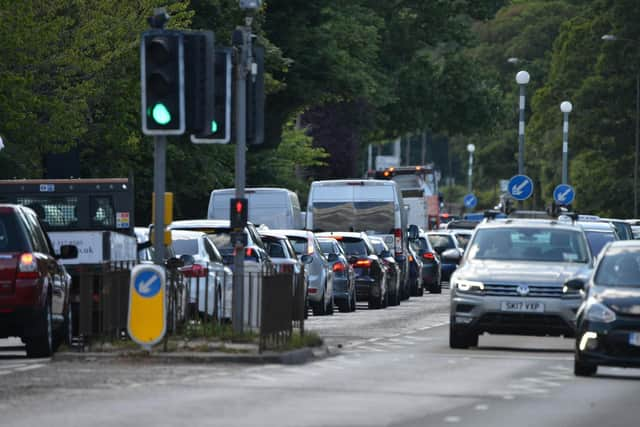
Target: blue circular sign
(564, 194)
(520, 187)
(470, 201)
(148, 283)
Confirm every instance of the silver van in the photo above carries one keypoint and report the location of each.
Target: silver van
(277, 208)
(369, 205)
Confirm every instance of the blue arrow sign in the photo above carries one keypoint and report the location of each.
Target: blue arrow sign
(520, 187)
(564, 194)
(147, 283)
(470, 201)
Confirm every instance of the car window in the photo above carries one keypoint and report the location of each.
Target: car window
(619, 267)
(529, 244)
(441, 241)
(597, 240)
(11, 237)
(38, 239)
(354, 246)
(328, 247)
(185, 246)
(463, 240)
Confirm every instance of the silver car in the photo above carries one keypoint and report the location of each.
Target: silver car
(511, 280)
(320, 290)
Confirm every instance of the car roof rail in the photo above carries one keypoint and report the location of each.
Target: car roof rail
(491, 214)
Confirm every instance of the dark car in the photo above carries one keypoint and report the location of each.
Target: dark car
(608, 321)
(344, 276)
(371, 279)
(415, 273)
(34, 285)
(392, 269)
(431, 270)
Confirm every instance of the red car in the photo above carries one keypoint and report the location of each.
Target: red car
(34, 285)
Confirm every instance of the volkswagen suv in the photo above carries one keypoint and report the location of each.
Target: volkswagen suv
(511, 280)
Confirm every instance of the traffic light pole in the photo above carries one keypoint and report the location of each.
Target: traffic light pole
(242, 42)
(159, 175)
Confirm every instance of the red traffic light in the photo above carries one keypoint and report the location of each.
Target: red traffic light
(238, 213)
(239, 206)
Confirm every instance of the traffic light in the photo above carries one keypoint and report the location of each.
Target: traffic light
(255, 99)
(221, 127)
(239, 212)
(199, 82)
(162, 80)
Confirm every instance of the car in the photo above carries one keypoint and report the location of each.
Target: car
(371, 279)
(344, 276)
(320, 289)
(415, 273)
(35, 287)
(431, 269)
(462, 236)
(445, 241)
(392, 269)
(608, 321)
(598, 234)
(511, 279)
(209, 282)
(623, 228)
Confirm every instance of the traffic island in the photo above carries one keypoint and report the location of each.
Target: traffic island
(300, 349)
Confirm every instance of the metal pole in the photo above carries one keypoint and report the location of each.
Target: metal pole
(423, 153)
(635, 165)
(243, 64)
(470, 170)
(159, 177)
(521, 132)
(565, 149)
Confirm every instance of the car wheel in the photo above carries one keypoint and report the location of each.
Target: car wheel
(436, 288)
(329, 309)
(581, 369)
(41, 345)
(352, 302)
(420, 289)
(461, 339)
(319, 309)
(68, 326)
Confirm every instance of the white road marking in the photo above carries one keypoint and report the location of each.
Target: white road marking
(481, 407)
(29, 367)
(452, 419)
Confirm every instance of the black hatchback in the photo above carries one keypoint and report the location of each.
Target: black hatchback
(608, 321)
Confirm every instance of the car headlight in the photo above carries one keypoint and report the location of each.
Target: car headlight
(597, 312)
(468, 285)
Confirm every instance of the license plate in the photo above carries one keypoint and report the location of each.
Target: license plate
(634, 339)
(523, 306)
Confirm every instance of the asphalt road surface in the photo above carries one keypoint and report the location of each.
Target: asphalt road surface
(392, 367)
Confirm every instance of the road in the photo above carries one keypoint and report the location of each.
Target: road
(393, 367)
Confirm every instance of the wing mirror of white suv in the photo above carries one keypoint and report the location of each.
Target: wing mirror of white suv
(451, 255)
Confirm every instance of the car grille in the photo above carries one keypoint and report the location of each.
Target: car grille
(535, 291)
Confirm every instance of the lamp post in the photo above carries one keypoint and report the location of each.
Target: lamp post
(522, 78)
(470, 148)
(610, 38)
(566, 108)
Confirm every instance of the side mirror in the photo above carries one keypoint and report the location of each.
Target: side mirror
(452, 255)
(385, 254)
(332, 257)
(306, 259)
(413, 232)
(574, 284)
(68, 251)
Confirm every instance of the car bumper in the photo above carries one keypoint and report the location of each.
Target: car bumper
(19, 322)
(430, 274)
(487, 314)
(612, 345)
(366, 288)
(341, 287)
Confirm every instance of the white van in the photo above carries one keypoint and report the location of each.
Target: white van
(277, 208)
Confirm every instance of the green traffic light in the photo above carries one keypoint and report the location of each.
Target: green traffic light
(214, 126)
(161, 114)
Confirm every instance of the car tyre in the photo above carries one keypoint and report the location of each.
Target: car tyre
(420, 289)
(436, 288)
(461, 339)
(352, 301)
(581, 369)
(41, 345)
(320, 308)
(329, 310)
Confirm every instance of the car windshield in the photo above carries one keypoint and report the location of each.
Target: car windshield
(327, 247)
(597, 240)
(378, 246)
(529, 244)
(441, 241)
(354, 246)
(619, 267)
(299, 244)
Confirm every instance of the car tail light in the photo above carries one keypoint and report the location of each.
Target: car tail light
(339, 267)
(27, 267)
(397, 232)
(195, 270)
(363, 263)
(428, 256)
(312, 290)
(410, 258)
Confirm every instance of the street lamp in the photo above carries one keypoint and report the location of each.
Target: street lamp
(522, 78)
(611, 37)
(566, 108)
(470, 148)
